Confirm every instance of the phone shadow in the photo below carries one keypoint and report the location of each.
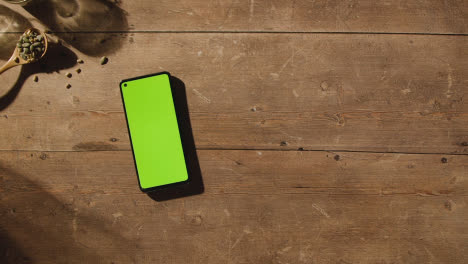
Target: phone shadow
(195, 184)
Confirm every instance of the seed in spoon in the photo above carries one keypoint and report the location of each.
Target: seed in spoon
(69, 75)
(31, 46)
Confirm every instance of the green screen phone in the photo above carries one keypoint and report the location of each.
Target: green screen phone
(154, 131)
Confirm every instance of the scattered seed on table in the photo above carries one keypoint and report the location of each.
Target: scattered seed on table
(78, 70)
(104, 60)
(80, 61)
(36, 79)
(68, 86)
(69, 75)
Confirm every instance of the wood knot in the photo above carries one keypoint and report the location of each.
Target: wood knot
(337, 157)
(324, 86)
(43, 156)
(448, 205)
(444, 160)
(196, 220)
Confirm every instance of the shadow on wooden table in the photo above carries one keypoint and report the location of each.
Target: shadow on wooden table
(10, 251)
(57, 58)
(93, 27)
(37, 227)
(195, 185)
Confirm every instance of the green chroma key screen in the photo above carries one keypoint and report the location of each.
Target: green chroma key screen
(154, 133)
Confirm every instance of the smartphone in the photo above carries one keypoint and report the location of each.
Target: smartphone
(154, 132)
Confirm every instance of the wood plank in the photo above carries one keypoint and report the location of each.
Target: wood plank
(247, 172)
(430, 16)
(259, 207)
(337, 92)
(384, 132)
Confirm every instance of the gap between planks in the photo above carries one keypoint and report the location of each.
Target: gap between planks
(251, 32)
(256, 149)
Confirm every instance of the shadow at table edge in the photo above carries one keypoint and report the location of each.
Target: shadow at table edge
(15, 242)
(57, 58)
(11, 253)
(8, 98)
(195, 184)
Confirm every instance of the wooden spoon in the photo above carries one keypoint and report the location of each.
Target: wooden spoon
(16, 59)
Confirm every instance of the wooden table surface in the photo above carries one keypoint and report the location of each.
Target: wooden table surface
(327, 132)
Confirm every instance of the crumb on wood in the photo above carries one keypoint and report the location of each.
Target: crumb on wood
(104, 60)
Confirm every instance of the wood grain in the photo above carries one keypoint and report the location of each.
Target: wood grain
(259, 207)
(321, 92)
(429, 16)
(247, 172)
(280, 81)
